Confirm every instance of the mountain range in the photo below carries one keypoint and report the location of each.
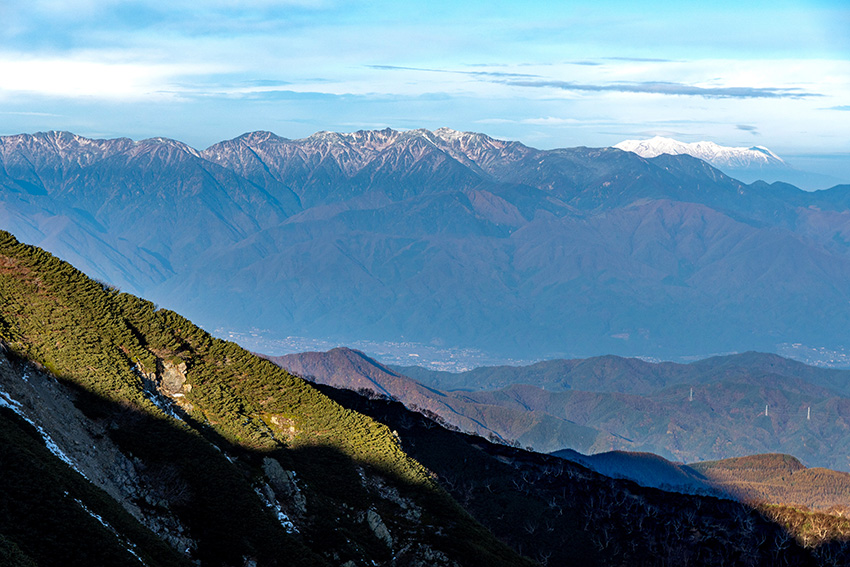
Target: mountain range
(442, 238)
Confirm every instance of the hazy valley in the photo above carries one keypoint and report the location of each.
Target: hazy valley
(707, 410)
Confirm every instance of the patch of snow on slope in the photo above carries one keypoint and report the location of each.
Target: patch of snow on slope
(128, 546)
(272, 503)
(7, 402)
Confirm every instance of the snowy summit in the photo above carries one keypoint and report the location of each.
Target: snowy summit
(717, 155)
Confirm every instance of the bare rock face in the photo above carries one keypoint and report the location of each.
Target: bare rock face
(421, 555)
(379, 528)
(174, 379)
(167, 387)
(284, 484)
(378, 486)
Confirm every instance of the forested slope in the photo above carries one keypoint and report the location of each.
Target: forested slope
(226, 456)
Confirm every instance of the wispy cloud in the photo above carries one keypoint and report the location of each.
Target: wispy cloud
(844, 107)
(748, 128)
(640, 59)
(545, 121)
(663, 133)
(13, 113)
(82, 78)
(664, 88)
(266, 83)
(451, 71)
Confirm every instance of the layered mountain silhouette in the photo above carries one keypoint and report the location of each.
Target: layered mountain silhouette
(442, 237)
(711, 409)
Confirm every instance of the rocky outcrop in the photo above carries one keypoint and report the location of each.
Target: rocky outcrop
(421, 555)
(173, 379)
(285, 486)
(147, 493)
(379, 528)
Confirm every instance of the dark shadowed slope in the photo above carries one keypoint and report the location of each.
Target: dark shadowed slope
(646, 469)
(569, 515)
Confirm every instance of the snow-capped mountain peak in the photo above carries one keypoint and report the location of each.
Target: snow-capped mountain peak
(715, 154)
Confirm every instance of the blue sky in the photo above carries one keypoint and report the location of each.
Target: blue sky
(577, 73)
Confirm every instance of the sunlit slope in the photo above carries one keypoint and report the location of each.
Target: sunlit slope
(780, 479)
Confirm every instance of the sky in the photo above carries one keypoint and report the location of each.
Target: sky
(775, 74)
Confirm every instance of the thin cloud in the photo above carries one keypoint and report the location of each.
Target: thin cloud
(13, 113)
(670, 89)
(266, 83)
(663, 133)
(547, 121)
(450, 71)
(640, 59)
(748, 128)
(845, 107)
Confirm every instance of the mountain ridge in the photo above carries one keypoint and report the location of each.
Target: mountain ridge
(750, 164)
(443, 238)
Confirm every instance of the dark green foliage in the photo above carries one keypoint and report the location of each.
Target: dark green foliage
(12, 556)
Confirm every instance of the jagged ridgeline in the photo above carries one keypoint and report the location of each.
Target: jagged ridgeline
(227, 458)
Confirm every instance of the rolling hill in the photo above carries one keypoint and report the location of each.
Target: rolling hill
(618, 404)
(350, 369)
(768, 479)
(780, 479)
